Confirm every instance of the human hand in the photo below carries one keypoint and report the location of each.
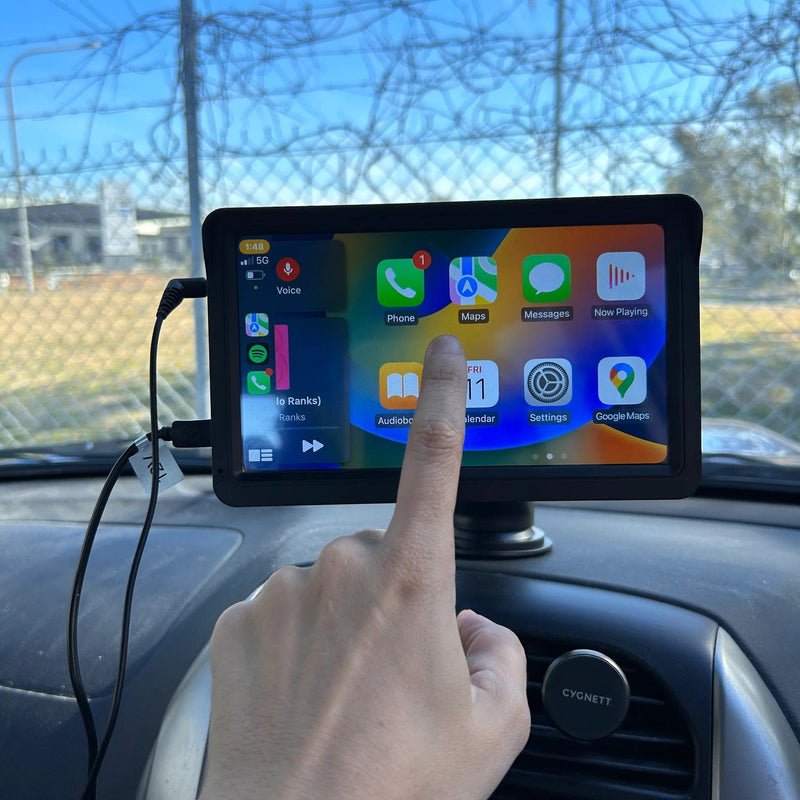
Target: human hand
(353, 678)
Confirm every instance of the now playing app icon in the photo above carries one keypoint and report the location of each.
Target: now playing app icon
(620, 276)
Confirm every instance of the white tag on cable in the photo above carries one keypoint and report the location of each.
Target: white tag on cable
(169, 471)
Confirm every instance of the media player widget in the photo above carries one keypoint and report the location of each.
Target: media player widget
(294, 403)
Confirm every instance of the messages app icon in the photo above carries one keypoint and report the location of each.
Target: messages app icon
(546, 278)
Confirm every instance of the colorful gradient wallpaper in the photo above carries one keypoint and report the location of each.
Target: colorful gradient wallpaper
(564, 330)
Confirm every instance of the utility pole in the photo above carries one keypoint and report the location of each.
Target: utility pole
(22, 208)
(188, 47)
(559, 76)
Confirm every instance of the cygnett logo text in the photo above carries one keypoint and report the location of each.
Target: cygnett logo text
(586, 697)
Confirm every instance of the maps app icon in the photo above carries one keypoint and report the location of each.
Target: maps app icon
(473, 281)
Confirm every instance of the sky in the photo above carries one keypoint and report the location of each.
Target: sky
(74, 107)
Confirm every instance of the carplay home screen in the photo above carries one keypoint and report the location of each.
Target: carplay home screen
(564, 330)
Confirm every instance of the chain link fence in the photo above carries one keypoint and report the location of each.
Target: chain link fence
(109, 223)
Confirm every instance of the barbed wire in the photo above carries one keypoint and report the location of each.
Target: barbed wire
(406, 100)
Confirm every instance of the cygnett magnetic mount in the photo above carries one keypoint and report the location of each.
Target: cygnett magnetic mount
(586, 694)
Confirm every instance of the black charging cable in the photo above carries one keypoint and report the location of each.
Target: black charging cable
(196, 434)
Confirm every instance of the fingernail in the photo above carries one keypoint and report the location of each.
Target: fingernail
(445, 344)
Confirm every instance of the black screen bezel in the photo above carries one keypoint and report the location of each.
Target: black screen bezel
(679, 216)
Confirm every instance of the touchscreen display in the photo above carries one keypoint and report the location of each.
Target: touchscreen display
(564, 330)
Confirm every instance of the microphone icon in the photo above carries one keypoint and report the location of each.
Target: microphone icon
(287, 269)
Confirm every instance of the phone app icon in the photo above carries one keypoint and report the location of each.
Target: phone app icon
(483, 384)
(546, 278)
(473, 280)
(256, 324)
(259, 382)
(400, 283)
(257, 353)
(620, 276)
(398, 383)
(622, 380)
(548, 382)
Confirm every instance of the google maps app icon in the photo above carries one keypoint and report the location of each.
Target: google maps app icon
(622, 380)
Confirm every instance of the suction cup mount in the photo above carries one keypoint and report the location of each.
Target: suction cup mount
(498, 530)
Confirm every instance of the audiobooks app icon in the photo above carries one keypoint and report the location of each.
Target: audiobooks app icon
(399, 384)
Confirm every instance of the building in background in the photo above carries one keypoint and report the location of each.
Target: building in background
(80, 237)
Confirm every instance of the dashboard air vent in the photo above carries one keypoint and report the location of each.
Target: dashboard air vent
(651, 755)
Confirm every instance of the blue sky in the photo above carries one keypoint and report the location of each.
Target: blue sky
(116, 96)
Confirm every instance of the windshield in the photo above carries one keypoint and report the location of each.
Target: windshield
(118, 114)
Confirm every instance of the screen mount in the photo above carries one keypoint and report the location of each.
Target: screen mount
(498, 530)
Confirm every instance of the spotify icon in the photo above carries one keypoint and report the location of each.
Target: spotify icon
(257, 353)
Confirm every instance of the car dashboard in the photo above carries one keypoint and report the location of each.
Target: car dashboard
(696, 601)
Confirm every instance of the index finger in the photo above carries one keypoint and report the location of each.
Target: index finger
(423, 518)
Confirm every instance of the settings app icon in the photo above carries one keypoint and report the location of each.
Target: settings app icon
(548, 382)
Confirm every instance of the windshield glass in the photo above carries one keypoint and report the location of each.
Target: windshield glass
(118, 113)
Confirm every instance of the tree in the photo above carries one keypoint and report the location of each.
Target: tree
(744, 172)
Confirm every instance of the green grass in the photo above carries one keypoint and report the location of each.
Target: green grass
(751, 365)
(74, 364)
(75, 359)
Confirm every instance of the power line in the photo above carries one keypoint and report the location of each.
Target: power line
(473, 86)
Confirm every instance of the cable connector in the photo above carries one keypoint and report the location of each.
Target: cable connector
(164, 433)
(191, 433)
(178, 289)
(182, 433)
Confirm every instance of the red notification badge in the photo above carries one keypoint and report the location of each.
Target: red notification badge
(421, 259)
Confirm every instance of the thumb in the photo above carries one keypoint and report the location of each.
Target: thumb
(498, 673)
